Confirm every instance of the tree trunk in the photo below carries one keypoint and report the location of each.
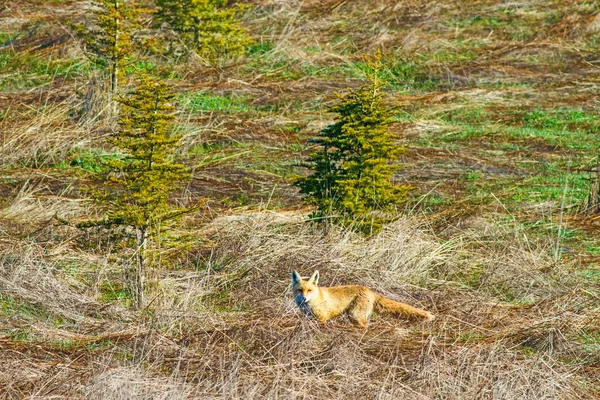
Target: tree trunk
(140, 267)
(113, 78)
(114, 68)
(591, 205)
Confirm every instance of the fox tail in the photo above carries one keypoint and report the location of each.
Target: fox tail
(385, 305)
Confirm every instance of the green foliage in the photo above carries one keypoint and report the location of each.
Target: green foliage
(562, 119)
(93, 161)
(142, 179)
(209, 27)
(208, 102)
(146, 171)
(108, 42)
(23, 70)
(114, 291)
(10, 306)
(354, 165)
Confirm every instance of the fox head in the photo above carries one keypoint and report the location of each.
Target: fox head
(304, 290)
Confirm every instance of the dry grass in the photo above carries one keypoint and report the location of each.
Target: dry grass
(479, 347)
(130, 382)
(231, 330)
(40, 136)
(517, 318)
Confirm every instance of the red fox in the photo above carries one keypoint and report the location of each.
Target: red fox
(356, 301)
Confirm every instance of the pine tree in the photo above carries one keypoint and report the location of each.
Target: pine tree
(145, 175)
(351, 171)
(108, 42)
(209, 27)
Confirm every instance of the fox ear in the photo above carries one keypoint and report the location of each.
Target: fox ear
(296, 278)
(314, 278)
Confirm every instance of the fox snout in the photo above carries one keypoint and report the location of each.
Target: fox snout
(302, 303)
(300, 299)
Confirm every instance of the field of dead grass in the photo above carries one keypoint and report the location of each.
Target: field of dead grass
(524, 328)
(497, 102)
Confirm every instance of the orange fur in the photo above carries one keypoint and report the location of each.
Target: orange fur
(358, 302)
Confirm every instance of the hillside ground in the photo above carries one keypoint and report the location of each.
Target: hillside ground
(497, 103)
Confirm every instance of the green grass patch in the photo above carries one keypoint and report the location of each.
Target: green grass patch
(550, 185)
(7, 37)
(100, 345)
(483, 21)
(589, 341)
(206, 102)
(28, 70)
(536, 188)
(260, 48)
(21, 334)
(216, 147)
(404, 73)
(467, 115)
(593, 248)
(13, 307)
(115, 291)
(140, 66)
(88, 160)
(473, 175)
(559, 139)
(592, 275)
(470, 337)
(431, 202)
(279, 169)
(401, 73)
(210, 153)
(562, 119)
(507, 24)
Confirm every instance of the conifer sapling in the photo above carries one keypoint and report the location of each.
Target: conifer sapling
(146, 174)
(356, 159)
(108, 41)
(209, 27)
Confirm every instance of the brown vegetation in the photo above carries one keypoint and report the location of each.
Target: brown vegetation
(499, 113)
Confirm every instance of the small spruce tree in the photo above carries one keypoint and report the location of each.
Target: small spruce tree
(108, 41)
(352, 170)
(144, 177)
(209, 27)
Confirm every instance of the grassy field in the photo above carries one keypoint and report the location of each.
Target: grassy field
(497, 104)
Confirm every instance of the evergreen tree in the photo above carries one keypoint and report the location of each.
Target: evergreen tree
(351, 172)
(144, 177)
(209, 27)
(108, 42)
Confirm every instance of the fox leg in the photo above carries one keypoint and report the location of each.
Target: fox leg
(361, 321)
(323, 318)
(362, 308)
